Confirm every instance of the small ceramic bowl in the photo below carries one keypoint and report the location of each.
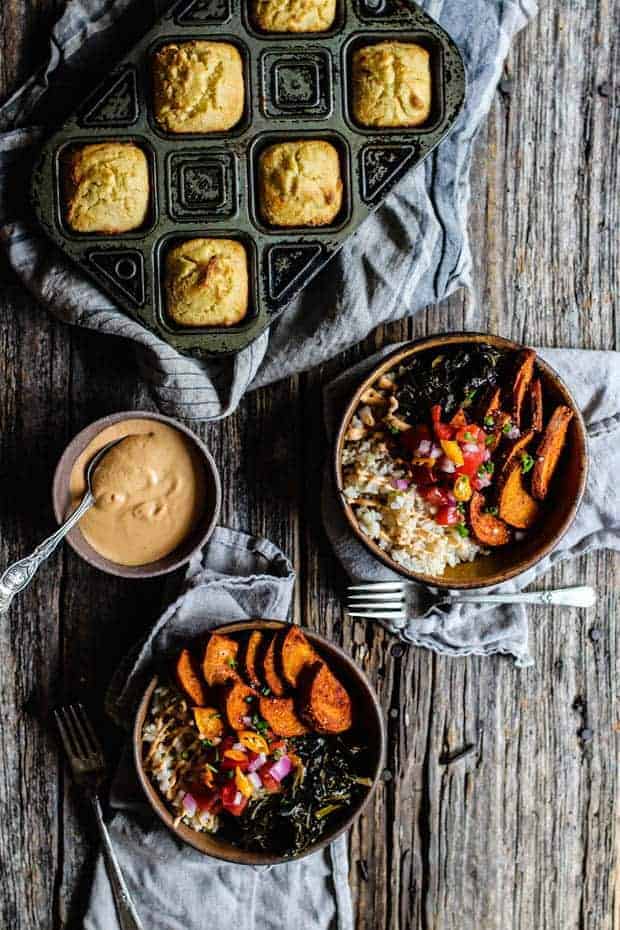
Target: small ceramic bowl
(561, 507)
(62, 500)
(371, 728)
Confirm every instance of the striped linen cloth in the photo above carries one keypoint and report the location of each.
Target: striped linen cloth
(412, 252)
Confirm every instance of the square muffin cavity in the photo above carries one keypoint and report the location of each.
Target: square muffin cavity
(207, 282)
(300, 183)
(107, 188)
(391, 84)
(294, 15)
(198, 87)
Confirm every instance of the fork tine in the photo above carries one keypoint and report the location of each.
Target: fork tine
(377, 586)
(65, 733)
(379, 615)
(363, 605)
(94, 739)
(381, 598)
(77, 714)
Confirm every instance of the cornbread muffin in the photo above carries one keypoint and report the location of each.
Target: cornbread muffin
(300, 183)
(198, 87)
(207, 282)
(294, 15)
(391, 84)
(106, 188)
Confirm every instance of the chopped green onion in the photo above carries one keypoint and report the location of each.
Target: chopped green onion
(489, 421)
(507, 427)
(462, 530)
(232, 663)
(527, 462)
(469, 437)
(492, 510)
(489, 440)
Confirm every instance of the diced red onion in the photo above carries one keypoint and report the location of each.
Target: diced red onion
(514, 432)
(435, 452)
(425, 447)
(281, 768)
(238, 799)
(239, 747)
(487, 455)
(451, 497)
(254, 777)
(471, 447)
(399, 484)
(447, 465)
(189, 804)
(259, 761)
(484, 481)
(247, 721)
(519, 535)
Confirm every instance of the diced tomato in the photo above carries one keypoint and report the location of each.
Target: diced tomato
(436, 496)
(206, 801)
(228, 764)
(270, 784)
(232, 800)
(423, 477)
(412, 438)
(471, 462)
(442, 430)
(447, 516)
(278, 744)
(471, 433)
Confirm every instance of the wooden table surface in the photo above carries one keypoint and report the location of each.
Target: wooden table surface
(522, 833)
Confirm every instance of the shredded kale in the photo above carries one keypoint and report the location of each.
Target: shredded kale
(453, 379)
(287, 823)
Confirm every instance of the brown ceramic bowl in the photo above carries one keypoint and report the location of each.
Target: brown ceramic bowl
(562, 503)
(370, 726)
(62, 500)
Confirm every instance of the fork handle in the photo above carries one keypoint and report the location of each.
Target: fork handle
(581, 596)
(19, 575)
(125, 910)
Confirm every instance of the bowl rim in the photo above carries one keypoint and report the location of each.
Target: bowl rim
(62, 474)
(412, 347)
(245, 857)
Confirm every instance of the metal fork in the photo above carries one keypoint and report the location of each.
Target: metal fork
(88, 766)
(387, 600)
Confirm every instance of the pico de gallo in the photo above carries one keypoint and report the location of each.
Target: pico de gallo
(451, 459)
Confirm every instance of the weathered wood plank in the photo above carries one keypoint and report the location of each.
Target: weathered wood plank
(521, 832)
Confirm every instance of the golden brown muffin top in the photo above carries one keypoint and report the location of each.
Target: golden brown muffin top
(294, 15)
(207, 282)
(300, 183)
(391, 84)
(107, 188)
(198, 86)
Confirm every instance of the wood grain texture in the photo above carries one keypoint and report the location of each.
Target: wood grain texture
(523, 831)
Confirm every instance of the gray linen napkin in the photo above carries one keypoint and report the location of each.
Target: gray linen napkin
(411, 253)
(594, 381)
(238, 577)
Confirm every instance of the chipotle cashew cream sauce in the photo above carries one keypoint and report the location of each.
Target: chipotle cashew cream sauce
(150, 491)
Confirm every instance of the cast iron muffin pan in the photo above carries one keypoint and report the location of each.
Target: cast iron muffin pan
(204, 185)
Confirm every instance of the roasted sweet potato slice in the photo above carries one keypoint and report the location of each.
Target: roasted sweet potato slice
(239, 702)
(488, 529)
(516, 507)
(189, 680)
(325, 705)
(536, 406)
(219, 663)
(295, 653)
(250, 659)
(209, 722)
(523, 378)
(271, 675)
(549, 450)
(512, 449)
(489, 403)
(281, 716)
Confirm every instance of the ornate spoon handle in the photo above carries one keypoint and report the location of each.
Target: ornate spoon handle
(18, 575)
(582, 596)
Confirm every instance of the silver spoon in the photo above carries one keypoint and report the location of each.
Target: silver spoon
(19, 575)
